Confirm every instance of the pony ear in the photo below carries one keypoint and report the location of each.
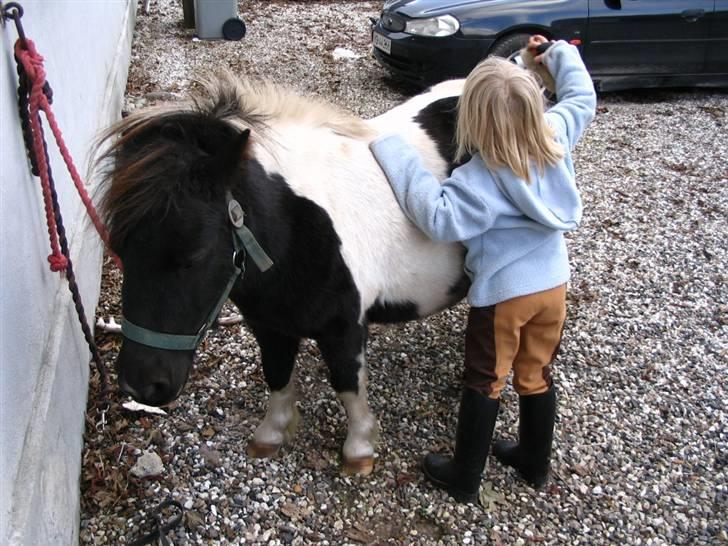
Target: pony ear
(238, 147)
(243, 142)
(234, 152)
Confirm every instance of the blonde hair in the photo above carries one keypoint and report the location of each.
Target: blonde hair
(501, 116)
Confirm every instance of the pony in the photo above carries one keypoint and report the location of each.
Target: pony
(250, 191)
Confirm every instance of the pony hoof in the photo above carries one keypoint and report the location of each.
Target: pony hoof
(362, 466)
(262, 451)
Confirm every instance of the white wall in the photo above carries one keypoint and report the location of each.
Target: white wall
(44, 360)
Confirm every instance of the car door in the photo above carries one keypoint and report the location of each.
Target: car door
(648, 37)
(717, 58)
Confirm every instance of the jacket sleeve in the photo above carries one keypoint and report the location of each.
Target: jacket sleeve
(448, 212)
(577, 99)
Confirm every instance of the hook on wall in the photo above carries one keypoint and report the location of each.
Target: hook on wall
(14, 12)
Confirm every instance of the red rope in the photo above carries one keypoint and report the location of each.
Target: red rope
(32, 63)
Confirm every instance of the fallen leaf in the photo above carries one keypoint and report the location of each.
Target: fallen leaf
(489, 497)
(316, 461)
(212, 457)
(120, 425)
(131, 405)
(156, 437)
(208, 432)
(715, 111)
(184, 427)
(290, 510)
(358, 534)
(193, 520)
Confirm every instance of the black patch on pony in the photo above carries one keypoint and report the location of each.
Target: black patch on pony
(385, 313)
(309, 292)
(438, 119)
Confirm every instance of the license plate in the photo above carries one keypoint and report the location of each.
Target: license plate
(382, 42)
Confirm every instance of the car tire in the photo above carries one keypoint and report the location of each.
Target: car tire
(508, 45)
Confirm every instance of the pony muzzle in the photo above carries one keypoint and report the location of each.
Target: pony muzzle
(152, 377)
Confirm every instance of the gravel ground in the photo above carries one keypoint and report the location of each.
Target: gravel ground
(640, 447)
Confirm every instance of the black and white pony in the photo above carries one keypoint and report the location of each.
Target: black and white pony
(314, 202)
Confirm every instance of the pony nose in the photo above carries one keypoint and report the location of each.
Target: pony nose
(157, 393)
(128, 389)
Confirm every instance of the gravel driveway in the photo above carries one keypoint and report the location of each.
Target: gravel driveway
(640, 448)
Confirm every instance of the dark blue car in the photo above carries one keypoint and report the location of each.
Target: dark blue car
(624, 43)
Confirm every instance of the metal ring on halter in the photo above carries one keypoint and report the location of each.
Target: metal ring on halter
(239, 259)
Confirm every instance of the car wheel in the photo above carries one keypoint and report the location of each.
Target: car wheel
(508, 45)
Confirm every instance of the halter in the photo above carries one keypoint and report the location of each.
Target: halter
(245, 243)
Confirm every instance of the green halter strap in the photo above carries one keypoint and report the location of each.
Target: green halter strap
(244, 243)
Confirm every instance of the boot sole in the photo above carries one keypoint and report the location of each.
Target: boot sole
(536, 483)
(504, 454)
(459, 496)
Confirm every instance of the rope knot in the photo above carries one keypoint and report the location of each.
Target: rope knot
(32, 62)
(58, 262)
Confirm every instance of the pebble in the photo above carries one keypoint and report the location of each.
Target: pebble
(148, 464)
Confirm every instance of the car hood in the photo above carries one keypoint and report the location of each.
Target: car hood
(429, 8)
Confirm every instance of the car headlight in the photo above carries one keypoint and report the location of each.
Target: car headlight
(444, 25)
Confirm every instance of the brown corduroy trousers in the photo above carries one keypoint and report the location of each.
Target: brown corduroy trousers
(522, 334)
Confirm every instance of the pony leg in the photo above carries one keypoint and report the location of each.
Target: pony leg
(344, 356)
(281, 418)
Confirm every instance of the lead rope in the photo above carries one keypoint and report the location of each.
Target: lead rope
(158, 535)
(35, 95)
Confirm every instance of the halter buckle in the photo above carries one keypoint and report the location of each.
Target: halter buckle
(236, 213)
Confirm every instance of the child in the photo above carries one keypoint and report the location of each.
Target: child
(510, 206)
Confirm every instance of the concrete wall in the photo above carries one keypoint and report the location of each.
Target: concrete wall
(44, 361)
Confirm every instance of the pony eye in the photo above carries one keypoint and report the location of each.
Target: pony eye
(188, 260)
(183, 261)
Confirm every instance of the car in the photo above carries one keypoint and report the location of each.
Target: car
(624, 43)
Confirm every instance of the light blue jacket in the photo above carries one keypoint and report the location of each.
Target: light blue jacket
(513, 231)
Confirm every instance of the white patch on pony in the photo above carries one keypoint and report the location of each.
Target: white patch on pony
(410, 108)
(281, 419)
(390, 259)
(361, 437)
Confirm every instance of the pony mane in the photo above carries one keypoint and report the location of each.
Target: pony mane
(150, 155)
(255, 104)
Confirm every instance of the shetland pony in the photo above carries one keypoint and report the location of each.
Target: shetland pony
(311, 199)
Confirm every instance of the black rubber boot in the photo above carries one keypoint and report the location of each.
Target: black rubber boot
(531, 456)
(460, 475)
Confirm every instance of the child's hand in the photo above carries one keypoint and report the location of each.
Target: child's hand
(532, 55)
(532, 46)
